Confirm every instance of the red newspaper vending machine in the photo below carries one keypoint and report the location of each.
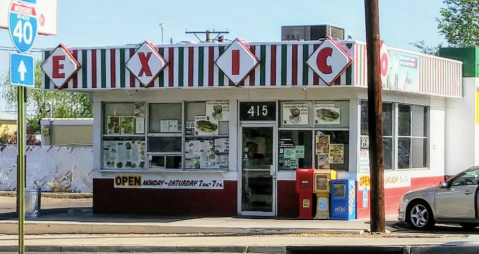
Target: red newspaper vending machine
(304, 188)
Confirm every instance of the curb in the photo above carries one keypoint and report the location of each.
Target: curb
(366, 249)
(148, 249)
(363, 249)
(10, 227)
(64, 195)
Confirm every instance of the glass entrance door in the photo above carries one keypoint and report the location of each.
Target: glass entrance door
(258, 170)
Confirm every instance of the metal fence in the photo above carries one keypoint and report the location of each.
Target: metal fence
(52, 168)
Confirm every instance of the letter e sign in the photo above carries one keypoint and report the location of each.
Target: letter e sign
(60, 66)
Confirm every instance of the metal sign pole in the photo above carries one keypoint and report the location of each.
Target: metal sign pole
(21, 130)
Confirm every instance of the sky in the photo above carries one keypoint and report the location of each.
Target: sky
(90, 23)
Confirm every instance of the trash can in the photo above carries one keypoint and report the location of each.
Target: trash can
(32, 202)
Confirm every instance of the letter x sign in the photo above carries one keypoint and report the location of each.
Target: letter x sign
(329, 61)
(146, 64)
(60, 66)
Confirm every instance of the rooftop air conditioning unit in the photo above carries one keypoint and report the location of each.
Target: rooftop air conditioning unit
(311, 33)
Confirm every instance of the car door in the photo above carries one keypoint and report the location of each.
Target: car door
(458, 200)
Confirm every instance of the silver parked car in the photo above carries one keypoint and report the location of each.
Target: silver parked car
(453, 201)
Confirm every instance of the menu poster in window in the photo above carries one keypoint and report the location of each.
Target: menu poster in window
(205, 125)
(327, 114)
(109, 154)
(336, 154)
(300, 152)
(323, 161)
(138, 154)
(164, 125)
(124, 154)
(190, 128)
(139, 110)
(322, 144)
(127, 125)
(290, 158)
(139, 125)
(218, 110)
(286, 143)
(113, 124)
(295, 114)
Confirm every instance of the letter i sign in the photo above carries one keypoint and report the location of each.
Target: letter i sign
(237, 61)
(60, 66)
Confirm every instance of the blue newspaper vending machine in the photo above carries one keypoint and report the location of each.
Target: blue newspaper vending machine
(343, 199)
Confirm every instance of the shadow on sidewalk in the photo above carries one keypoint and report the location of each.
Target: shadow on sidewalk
(85, 214)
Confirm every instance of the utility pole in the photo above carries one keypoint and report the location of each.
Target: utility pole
(375, 123)
(207, 32)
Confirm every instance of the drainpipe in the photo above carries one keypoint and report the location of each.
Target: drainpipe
(50, 128)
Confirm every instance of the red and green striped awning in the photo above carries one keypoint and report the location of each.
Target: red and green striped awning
(281, 64)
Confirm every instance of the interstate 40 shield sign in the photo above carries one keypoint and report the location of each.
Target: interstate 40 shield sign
(22, 25)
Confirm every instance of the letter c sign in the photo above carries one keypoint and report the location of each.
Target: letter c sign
(321, 60)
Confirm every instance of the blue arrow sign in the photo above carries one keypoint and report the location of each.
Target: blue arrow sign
(22, 71)
(22, 25)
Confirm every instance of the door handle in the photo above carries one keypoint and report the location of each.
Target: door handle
(272, 171)
(467, 192)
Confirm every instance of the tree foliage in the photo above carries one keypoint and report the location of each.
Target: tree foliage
(421, 45)
(62, 104)
(459, 22)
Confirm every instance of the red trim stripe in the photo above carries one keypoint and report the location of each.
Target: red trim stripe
(93, 68)
(315, 76)
(132, 77)
(294, 65)
(356, 65)
(190, 65)
(171, 66)
(252, 74)
(75, 76)
(435, 77)
(211, 65)
(273, 65)
(112, 67)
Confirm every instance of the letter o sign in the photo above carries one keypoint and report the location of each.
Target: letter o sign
(384, 60)
(384, 64)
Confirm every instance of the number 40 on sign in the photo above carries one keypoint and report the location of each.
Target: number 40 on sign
(23, 25)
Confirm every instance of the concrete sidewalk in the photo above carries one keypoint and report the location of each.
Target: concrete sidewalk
(74, 216)
(68, 225)
(244, 244)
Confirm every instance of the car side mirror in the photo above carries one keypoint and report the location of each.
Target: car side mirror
(443, 184)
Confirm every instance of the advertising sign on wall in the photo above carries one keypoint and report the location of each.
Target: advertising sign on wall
(295, 114)
(327, 114)
(404, 72)
(167, 182)
(218, 110)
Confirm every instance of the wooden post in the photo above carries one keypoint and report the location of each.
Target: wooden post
(375, 123)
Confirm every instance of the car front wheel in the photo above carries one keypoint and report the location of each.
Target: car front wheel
(420, 215)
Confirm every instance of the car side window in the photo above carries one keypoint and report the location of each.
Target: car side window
(470, 177)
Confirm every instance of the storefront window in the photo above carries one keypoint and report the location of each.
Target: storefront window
(192, 135)
(387, 130)
(314, 134)
(411, 150)
(206, 135)
(295, 149)
(332, 150)
(412, 140)
(165, 118)
(123, 144)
